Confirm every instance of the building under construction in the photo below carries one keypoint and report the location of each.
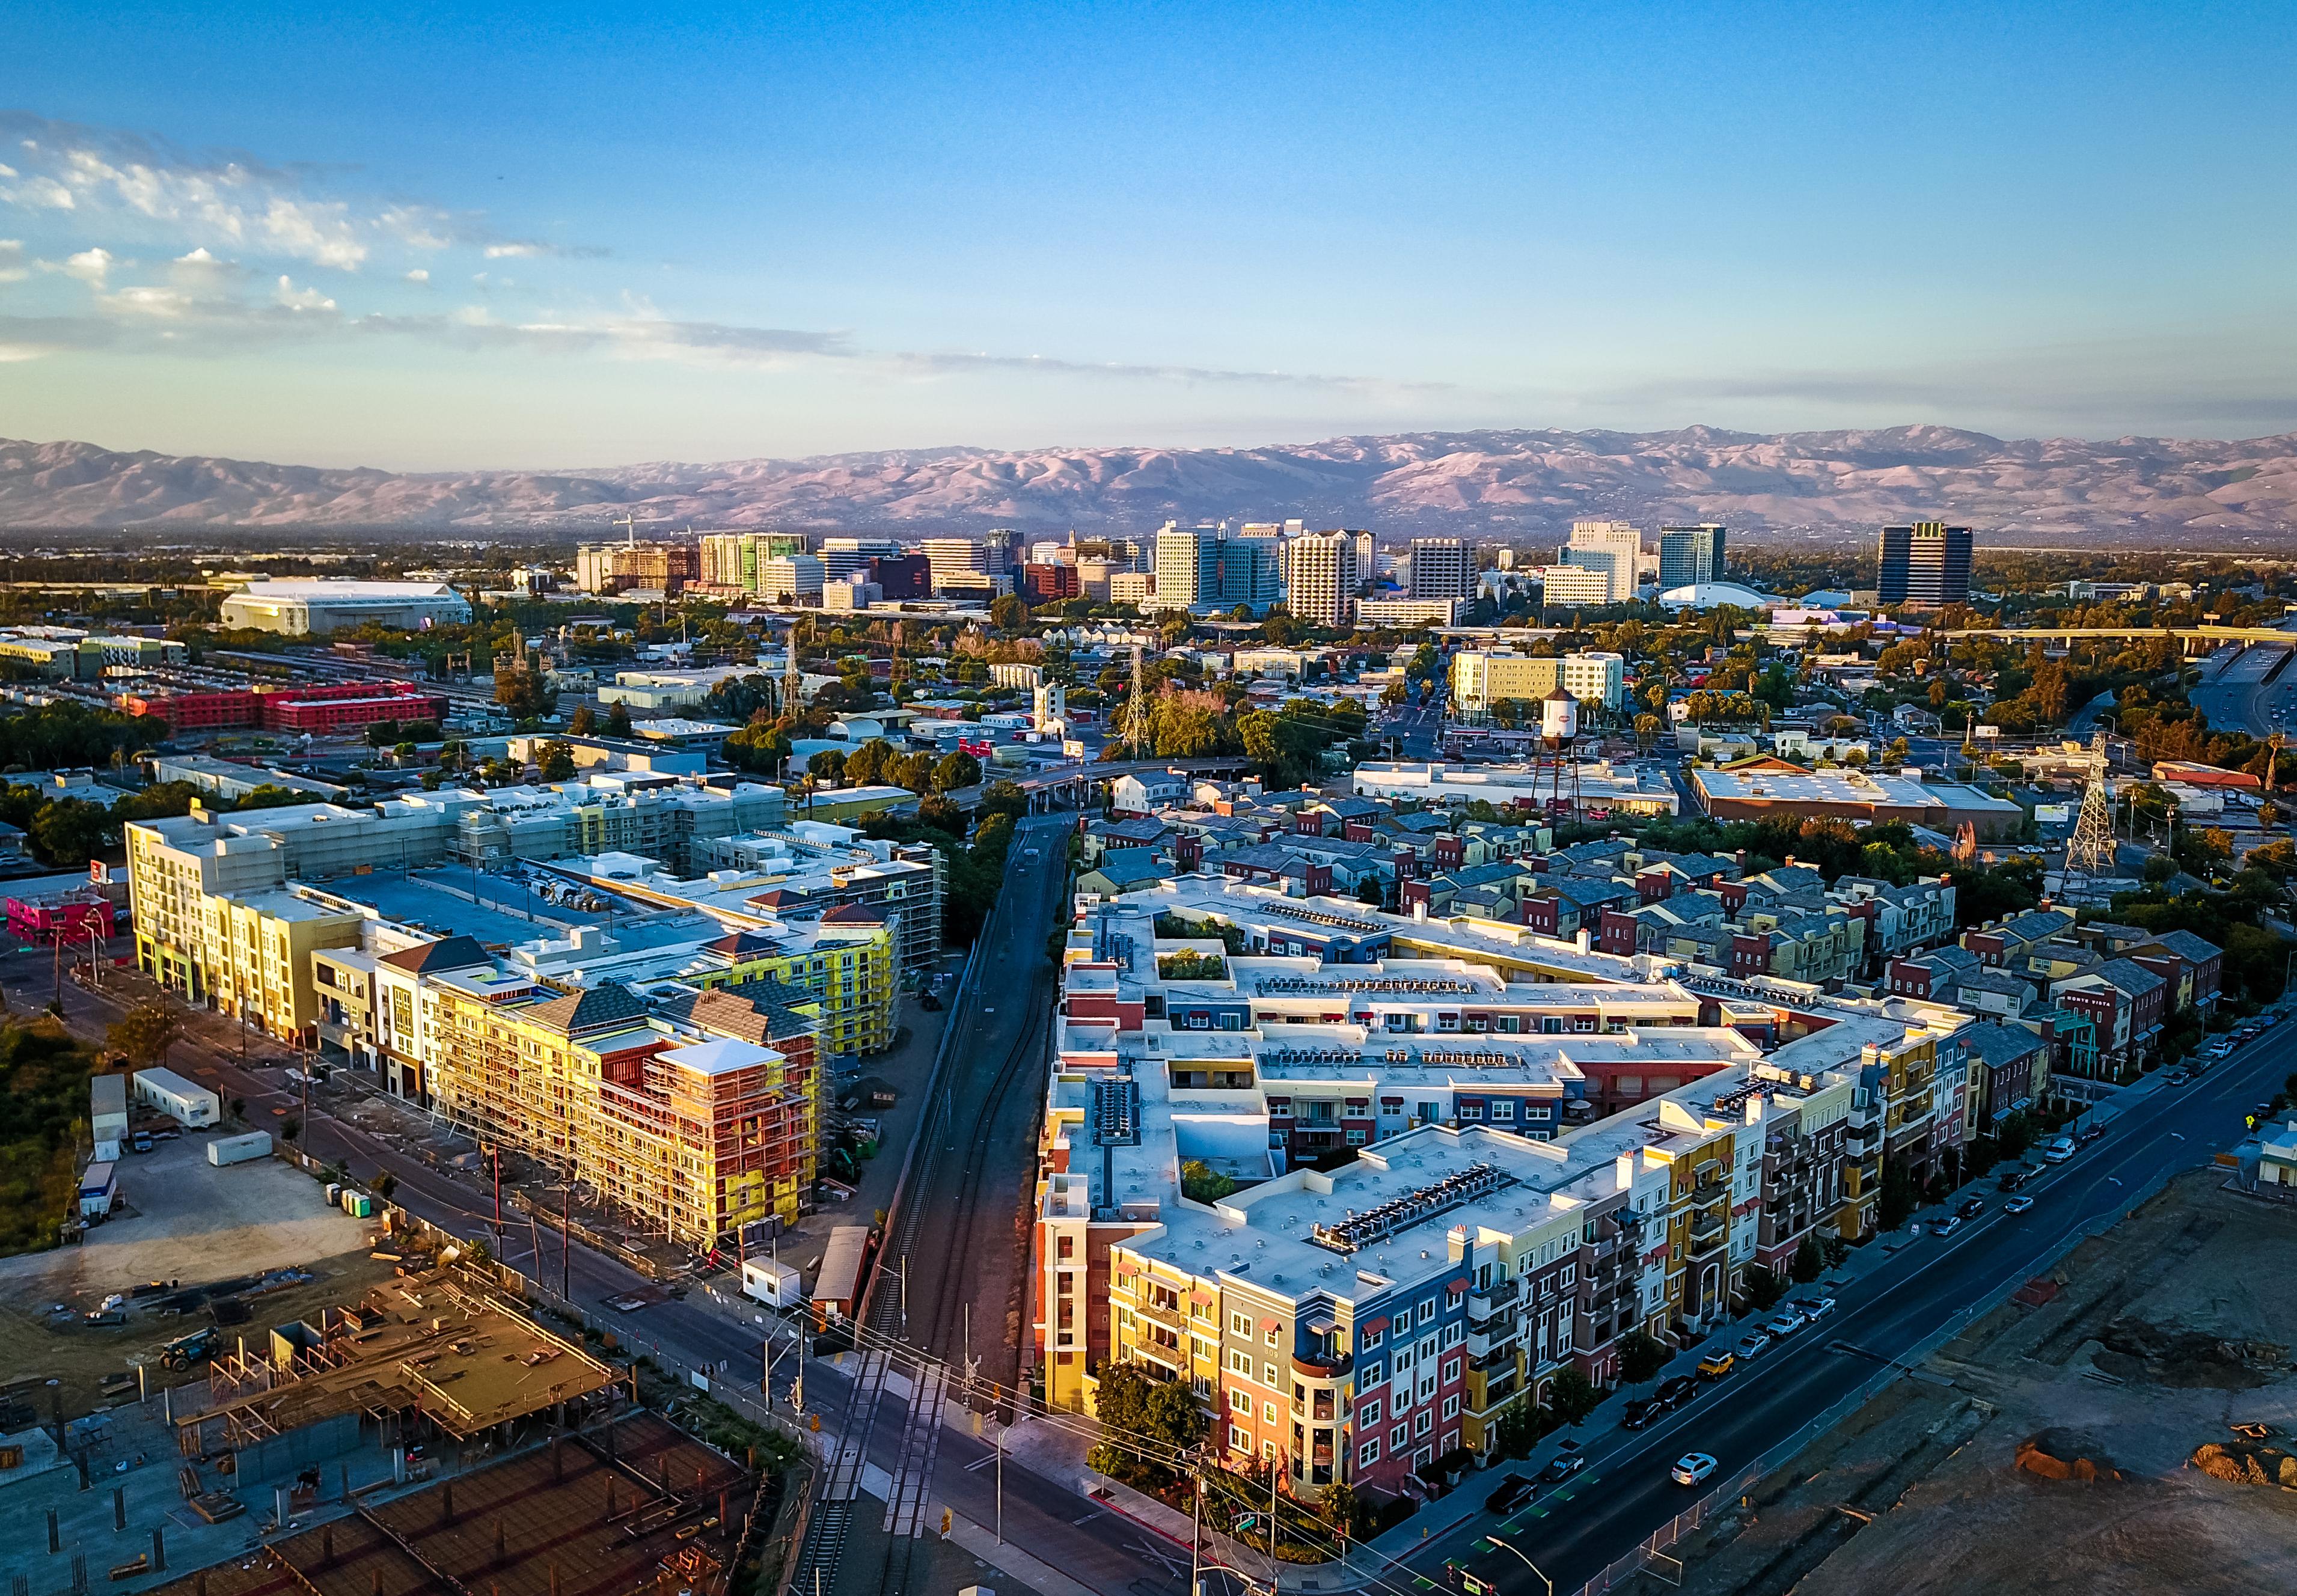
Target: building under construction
(626, 1507)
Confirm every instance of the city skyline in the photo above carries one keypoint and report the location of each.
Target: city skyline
(434, 245)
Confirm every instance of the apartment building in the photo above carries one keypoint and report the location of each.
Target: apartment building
(1357, 1324)
(1925, 564)
(1690, 555)
(618, 567)
(1566, 583)
(952, 557)
(1321, 578)
(1901, 920)
(1442, 568)
(1479, 679)
(733, 561)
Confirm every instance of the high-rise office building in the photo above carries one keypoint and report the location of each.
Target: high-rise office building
(1367, 559)
(1001, 552)
(1572, 584)
(953, 558)
(841, 557)
(901, 576)
(1610, 546)
(1689, 555)
(1320, 577)
(1441, 568)
(1926, 564)
(731, 559)
(1205, 571)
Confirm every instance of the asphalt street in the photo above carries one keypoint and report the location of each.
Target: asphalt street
(1626, 1495)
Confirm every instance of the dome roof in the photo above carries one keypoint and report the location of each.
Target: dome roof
(1708, 595)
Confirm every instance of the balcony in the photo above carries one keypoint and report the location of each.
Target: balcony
(1321, 1366)
(1170, 1318)
(1484, 1301)
(1709, 1234)
(1485, 1351)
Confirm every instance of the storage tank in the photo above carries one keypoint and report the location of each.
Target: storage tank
(1558, 717)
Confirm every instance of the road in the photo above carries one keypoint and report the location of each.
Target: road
(1625, 1495)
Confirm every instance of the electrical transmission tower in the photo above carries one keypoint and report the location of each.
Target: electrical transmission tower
(2090, 852)
(1137, 708)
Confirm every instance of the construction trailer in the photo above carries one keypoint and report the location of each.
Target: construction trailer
(776, 1285)
(837, 1284)
(188, 1103)
(239, 1149)
(107, 1114)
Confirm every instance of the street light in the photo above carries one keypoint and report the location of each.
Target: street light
(1525, 1561)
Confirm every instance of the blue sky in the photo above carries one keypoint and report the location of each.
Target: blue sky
(564, 236)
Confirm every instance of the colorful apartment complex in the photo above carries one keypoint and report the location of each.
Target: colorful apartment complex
(1514, 1207)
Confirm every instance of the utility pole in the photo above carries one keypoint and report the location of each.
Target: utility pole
(1001, 1484)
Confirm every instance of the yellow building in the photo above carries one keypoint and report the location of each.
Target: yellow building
(846, 960)
(683, 1118)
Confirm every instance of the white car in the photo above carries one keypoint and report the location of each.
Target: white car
(1690, 1468)
(1785, 1324)
(1813, 1308)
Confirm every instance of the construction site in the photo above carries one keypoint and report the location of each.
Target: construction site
(430, 1433)
(2124, 1423)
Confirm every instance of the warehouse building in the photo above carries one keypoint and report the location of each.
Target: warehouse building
(315, 606)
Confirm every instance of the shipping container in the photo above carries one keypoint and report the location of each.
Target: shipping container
(98, 1185)
(239, 1149)
(191, 1105)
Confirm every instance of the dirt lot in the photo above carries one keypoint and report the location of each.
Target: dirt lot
(2157, 1337)
(189, 1222)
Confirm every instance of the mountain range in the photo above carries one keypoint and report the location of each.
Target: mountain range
(2191, 493)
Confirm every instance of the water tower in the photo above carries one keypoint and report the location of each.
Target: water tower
(1559, 729)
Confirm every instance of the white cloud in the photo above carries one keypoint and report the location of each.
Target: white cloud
(150, 301)
(301, 298)
(418, 275)
(11, 261)
(512, 251)
(89, 266)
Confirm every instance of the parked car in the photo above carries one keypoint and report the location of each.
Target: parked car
(1513, 1491)
(1641, 1415)
(2013, 1178)
(1813, 1308)
(2018, 1204)
(1971, 1208)
(141, 1142)
(1754, 1344)
(1785, 1324)
(1690, 1468)
(1562, 1469)
(1717, 1364)
(1946, 1226)
(1676, 1392)
(2095, 1133)
(2177, 1077)
(2057, 1149)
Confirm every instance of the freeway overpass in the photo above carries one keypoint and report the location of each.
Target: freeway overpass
(2193, 640)
(1073, 786)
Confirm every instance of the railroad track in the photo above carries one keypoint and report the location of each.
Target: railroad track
(884, 1313)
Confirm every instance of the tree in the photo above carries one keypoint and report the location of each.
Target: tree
(618, 720)
(1897, 1205)
(145, 1033)
(291, 1128)
(385, 1184)
(1370, 891)
(1008, 612)
(955, 770)
(2014, 1135)
(1137, 1409)
(1835, 1249)
(522, 691)
(585, 722)
(557, 762)
(866, 765)
(1338, 1507)
(1808, 1262)
(1571, 1396)
(1518, 1430)
(1642, 1355)
(1763, 1287)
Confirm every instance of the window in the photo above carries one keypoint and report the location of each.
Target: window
(1241, 1324)
(1241, 1401)
(1570, 1272)
(1270, 1339)
(1428, 1310)
(1368, 1414)
(1240, 1363)
(1400, 1434)
(1471, 1111)
(1452, 1371)
(1369, 1339)
(1453, 1334)
(1238, 1440)
(1268, 1412)
(1503, 1108)
(1368, 1453)
(1268, 1374)
(1372, 1375)
(1450, 1407)
(1421, 1425)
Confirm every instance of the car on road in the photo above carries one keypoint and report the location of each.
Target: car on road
(1946, 1226)
(1971, 1208)
(1690, 1468)
(627, 1303)
(2095, 1133)
(2018, 1204)
(2013, 1178)
(1754, 1344)
(1717, 1364)
(2057, 1149)
(2178, 1077)
(1785, 1324)
(1676, 1392)
(1813, 1308)
(1513, 1491)
(1641, 1415)
(1562, 1469)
